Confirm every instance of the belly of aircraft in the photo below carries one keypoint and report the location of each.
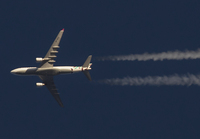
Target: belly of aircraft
(44, 71)
(54, 71)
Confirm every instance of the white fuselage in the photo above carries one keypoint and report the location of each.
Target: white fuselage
(51, 71)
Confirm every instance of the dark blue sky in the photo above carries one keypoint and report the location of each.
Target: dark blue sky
(100, 28)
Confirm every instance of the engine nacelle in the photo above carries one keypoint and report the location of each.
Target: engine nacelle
(40, 84)
(39, 59)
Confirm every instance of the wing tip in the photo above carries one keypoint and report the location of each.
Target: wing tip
(61, 104)
(63, 29)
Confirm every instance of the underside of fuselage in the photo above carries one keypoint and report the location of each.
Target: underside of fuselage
(48, 71)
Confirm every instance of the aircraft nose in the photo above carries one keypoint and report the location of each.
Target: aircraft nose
(13, 71)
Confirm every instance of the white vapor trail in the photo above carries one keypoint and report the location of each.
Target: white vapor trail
(188, 79)
(170, 55)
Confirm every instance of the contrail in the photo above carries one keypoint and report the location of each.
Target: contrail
(188, 79)
(170, 55)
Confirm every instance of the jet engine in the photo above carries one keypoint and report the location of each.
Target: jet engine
(39, 59)
(40, 84)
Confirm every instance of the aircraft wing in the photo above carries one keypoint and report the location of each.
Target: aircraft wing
(49, 83)
(51, 54)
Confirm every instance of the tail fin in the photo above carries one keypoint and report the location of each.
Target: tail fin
(87, 64)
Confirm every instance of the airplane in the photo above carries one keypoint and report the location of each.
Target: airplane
(46, 70)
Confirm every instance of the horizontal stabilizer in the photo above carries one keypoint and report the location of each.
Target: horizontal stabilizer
(87, 62)
(87, 74)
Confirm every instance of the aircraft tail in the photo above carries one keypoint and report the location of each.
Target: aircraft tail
(87, 74)
(87, 64)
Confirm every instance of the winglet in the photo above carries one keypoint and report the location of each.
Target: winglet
(63, 29)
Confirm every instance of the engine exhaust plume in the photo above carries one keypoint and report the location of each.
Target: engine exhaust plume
(188, 79)
(170, 55)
